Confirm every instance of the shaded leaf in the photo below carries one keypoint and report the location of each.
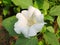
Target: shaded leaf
(6, 2)
(38, 3)
(25, 41)
(8, 23)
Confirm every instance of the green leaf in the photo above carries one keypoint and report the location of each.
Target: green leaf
(26, 41)
(50, 28)
(52, 0)
(49, 17)
(55, 11)
(51, 4)
(0, 2)
(43, 29)
(8, 23)
(16, 9)
(6, 2)
(38, 3)
(23, 3)
(41, 4)
(58, 21)
(41, 42)
(5, 11)
(46, 5)
(51, 38)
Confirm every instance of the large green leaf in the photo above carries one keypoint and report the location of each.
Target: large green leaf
(55, 11)
(25, 41)
(22, 3)
(58, 20)
(51, 38)
(9, 25)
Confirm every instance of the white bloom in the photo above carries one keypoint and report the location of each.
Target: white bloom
(29, 22)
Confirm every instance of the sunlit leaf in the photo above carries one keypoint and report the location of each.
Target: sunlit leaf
(50, 28)
(58, 20)
(51, 38)
(23, 3)
(46, 5)
(55, 11)
(5, 11)
(41, 43)
(41, 4)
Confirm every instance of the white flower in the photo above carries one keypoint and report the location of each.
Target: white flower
(29, 22)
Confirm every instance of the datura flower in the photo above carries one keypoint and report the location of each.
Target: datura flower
(29, 22)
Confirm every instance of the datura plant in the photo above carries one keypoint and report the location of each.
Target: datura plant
(30, 22)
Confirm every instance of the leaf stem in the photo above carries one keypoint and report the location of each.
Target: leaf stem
(55, 25)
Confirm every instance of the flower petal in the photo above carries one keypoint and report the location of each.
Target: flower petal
(25, 13)
(32, 32)
(18, 15)
(21, 19)
(17, 27)
(17, 30)
(38, 27)
(31, 11)
(25, 31)
(39, 17)
(20, 24)
(37, 11)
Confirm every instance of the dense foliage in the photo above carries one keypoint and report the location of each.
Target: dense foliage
(50, 34)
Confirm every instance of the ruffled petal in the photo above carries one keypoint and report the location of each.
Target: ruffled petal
(32, 32)
(21, 19)
(37, 11)
(31, 11)
(25, 31)
(18, 15)
(20, 24)
(17, 30)
(38, 16)
(25, 13)
(38, 27)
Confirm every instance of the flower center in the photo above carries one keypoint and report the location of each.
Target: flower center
(31, 21)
